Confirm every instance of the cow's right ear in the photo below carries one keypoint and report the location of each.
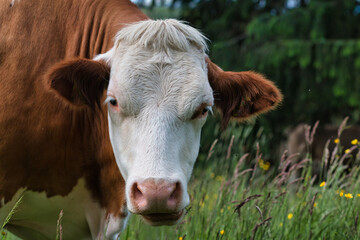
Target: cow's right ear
(79, 81)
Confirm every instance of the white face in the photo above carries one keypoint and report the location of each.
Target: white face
(157, 107)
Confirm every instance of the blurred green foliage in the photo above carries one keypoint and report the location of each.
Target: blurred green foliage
(309, 48)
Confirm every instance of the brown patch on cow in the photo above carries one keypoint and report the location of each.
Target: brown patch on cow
(47, 144)
(241, 94)
(83, 81)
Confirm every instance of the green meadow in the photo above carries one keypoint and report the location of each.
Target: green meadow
(246, 197)
(264, 201)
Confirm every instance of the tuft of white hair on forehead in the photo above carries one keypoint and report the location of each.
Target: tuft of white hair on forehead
(160, 35)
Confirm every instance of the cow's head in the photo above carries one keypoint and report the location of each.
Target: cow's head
(161, 89)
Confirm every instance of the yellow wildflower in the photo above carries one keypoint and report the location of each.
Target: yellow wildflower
(336, 140)
(315, 204)
(266, 166)
(347, 150)
(228, 208)
(290, 216)
(180, 238)
(322, 184)
(358, 195)
(261, 163)
(341, 193)
(281, 224)
(354, 142)
(222, 232)
(221, 210)
(348, 195)
(212, 175)
(219, 178)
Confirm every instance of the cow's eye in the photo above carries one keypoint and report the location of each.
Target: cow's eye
(202, 111)
(113, 102)
(206, 110)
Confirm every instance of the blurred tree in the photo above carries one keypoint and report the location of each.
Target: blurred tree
(313, 53)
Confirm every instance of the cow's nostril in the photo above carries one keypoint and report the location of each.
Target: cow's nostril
(136, 193)
(175, 196)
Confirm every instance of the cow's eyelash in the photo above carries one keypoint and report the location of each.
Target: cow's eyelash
(108, 98)
(202, 111)
(112, 101)
(211, 110)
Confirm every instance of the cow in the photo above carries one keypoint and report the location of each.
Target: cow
(101, 115)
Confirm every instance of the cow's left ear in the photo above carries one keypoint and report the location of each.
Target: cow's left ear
(79, 81)
(241, 94)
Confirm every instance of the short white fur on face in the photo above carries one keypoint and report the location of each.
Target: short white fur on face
(158, 82)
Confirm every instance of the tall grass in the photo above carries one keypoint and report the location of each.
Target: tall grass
(3, 232)
(255, 200)
(245, 197)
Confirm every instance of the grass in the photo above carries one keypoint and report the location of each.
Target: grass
(262, 210)
(254, 200)
(247, 198)
(4, 233)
